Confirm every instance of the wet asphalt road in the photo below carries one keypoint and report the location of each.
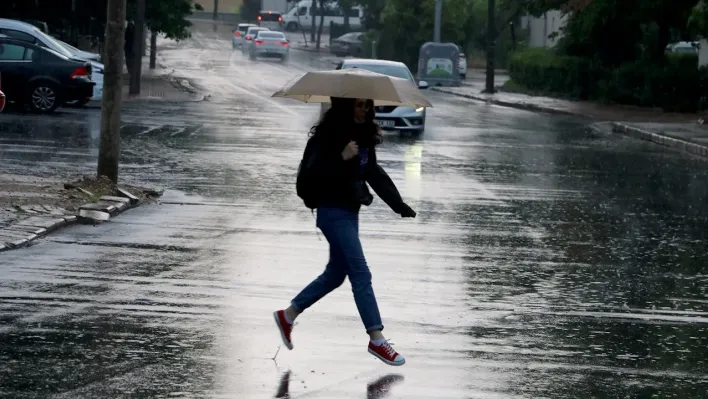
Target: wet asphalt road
(545, 262)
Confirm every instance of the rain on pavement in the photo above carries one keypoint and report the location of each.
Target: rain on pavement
(545, 261)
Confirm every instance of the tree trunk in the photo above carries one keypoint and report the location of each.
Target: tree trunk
(138, 44)
(153, 49)
(491, 39)
(109, 151)
(313, 15)
(319, 30)
(663, 39)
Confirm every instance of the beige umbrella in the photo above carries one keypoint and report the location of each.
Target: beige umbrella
(320, 86)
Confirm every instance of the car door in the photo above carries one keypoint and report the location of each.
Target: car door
(303, 14)
(15, 69)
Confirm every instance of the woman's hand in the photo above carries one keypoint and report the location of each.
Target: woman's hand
(350, 151)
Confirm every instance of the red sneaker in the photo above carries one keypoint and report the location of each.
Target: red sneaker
(284, 327)
(387, 354)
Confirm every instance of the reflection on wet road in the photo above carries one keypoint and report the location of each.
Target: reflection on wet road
(545, 262)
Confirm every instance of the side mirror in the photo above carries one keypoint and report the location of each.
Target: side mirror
(423, 85)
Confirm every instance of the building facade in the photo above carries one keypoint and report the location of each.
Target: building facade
(540, 29)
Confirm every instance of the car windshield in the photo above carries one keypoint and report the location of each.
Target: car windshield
(269, 17)
(52, 43)
(271, 35)
(389, 70)
(254, 31)
(244, 28)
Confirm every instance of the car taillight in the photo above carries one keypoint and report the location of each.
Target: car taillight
(285, 44)
(248, 37)
(259, 42)
(280, 19)
(80, 72)
(260, 18)
(237, 34)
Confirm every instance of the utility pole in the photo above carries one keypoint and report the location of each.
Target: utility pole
(438, 20)
(491, 39)
(216, 10)
(109, 151)
(138, 44)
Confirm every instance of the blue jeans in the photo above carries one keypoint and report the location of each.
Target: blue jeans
(346, 259)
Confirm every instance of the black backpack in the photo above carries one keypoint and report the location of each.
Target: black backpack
(305, 184)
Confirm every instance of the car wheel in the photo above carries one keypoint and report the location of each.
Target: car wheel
(284, 59)
(464, 76)
(44, 97)
(291, 26)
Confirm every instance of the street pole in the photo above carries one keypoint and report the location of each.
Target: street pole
(138, 44)
(313, 14)
(153, 49)
(438, 20)
(216, 10)
(109, 150)
(491, 38)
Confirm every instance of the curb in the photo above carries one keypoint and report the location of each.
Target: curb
(508, 104)
(683, 145)
(26, 231)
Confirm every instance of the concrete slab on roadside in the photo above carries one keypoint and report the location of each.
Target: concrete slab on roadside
(691, 138)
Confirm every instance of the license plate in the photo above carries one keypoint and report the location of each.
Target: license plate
(385, 123)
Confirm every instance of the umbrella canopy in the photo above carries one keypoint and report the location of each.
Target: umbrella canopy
(320, 86)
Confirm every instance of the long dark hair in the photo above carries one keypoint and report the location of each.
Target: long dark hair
(340, 116)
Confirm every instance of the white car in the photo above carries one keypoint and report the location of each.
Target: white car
(392, 117)
(239, 34)
(248, 39)
(270, 44)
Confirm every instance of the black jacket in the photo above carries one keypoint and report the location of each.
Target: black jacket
(341, 183)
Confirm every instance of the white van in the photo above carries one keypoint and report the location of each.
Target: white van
(301, 16)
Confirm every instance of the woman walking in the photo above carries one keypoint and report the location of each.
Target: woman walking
(342, 160)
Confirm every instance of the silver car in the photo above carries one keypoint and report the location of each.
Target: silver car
(392, 117)
(248, 39)
(30, 33)
(270, 44)
(239, 34)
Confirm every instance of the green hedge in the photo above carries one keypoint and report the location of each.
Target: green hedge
(675, 85)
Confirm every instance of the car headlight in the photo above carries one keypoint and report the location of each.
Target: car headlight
(421, 109)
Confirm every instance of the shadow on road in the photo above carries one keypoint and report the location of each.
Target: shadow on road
(381, 387)
(284, 387)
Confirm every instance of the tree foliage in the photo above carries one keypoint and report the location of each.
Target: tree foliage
(168, 17)
(614, 31)
(407, 24)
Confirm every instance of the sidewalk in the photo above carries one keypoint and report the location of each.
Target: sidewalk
(160, 85)
(472, 89)
(680, 131)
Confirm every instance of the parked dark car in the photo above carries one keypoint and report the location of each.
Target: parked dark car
(347, 44)
(40, 77)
